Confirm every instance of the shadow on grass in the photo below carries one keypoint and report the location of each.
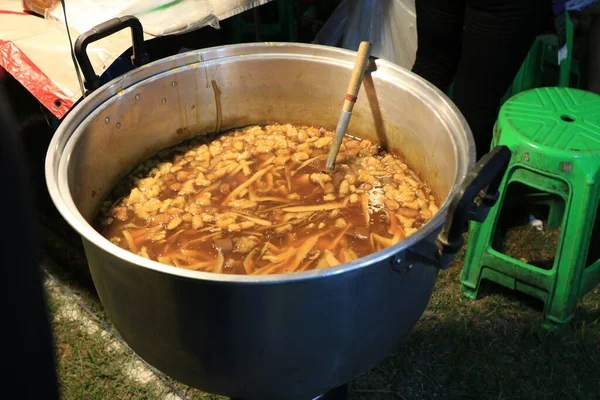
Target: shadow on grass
(64, 260)
(491, 348)
(488, 288)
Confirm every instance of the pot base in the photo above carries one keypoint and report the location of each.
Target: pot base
(339, 393)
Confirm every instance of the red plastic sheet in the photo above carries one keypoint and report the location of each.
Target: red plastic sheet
(16, 63)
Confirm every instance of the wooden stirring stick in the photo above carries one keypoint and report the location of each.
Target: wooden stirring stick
(349, 100)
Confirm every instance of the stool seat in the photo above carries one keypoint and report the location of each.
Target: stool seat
(554, 137)
(555, 120)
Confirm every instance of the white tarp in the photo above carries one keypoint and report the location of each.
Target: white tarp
(390, 26)
(158, 17)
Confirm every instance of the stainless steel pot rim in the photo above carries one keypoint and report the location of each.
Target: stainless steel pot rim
(91, 107)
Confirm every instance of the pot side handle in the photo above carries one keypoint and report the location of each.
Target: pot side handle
(139, 57)
(472, 202)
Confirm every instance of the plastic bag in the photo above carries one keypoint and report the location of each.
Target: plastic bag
(158, 17)
(39, 6)
(390, 26)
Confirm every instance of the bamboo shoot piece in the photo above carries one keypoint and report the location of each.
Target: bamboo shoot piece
(310, 160)
(244, 185)
(383, 241)
(267, 162)
(254, 197)
(248, 262)
(257, 221)
(164, 260)
(317, 207)
(337, 239)
(130, 242)
(302, 251)
(322, 262)
(364, 203)
(330, 258)
(219, 263)
(286, 255)
(288, 178)
(267, 269)
(240, 167)
(198, 265)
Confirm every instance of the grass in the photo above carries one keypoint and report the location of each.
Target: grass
(541, 250)
(491, 348)
(93, 363)
(87, 369)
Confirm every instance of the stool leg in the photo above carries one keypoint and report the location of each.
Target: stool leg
(591, 274)
(557, 212)
(480, 238)
(571, 257)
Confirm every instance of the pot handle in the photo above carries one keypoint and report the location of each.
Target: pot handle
(481, 184)
(139, 57)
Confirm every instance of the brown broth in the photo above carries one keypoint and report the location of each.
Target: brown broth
(234, 204)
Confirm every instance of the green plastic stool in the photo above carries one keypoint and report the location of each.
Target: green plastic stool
(554, 136)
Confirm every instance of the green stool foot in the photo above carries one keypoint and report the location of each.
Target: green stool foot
(554, 326)
(469, 292)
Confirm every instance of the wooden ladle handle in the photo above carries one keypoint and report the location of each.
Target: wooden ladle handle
(362, 58)
(360, 64)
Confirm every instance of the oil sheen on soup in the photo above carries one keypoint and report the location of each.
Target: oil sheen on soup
(259, 200)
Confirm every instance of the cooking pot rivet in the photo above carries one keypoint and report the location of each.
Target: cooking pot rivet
(118, 125)
(137, 96)
(164, 100)
(408, 268)
(526, 157)
(173, 84)
(398, 260)
(107, 120)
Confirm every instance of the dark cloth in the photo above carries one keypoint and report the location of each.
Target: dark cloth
(593, 78)
(481, 44)
(28, 365)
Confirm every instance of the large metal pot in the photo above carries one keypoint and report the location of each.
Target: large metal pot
(289, 336)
